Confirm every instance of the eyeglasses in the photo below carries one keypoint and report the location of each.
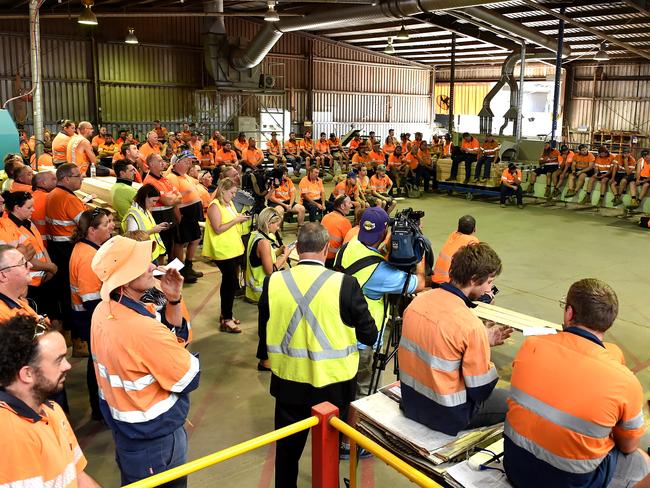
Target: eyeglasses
(562, 303)
(75, 176)
(23, 263)
(40, 329)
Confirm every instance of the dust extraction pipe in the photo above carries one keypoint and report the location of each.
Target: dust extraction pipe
(359, 15)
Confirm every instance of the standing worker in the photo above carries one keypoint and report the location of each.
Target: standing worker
(42, 183)
(60, 142)
(575, 411)
(129, 345)
(79, 150)
(360, 258)
(465, 234)
(296, 305)
(122, 192)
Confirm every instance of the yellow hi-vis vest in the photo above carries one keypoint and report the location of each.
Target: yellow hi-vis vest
(357, 260)
(145, 222)
(255, 274)
(228, 244)
(306, 339)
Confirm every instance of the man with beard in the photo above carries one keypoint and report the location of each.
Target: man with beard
(33, 367)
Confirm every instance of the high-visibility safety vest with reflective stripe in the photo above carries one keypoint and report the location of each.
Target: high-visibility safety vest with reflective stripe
(76, 155)
(444, 359)
(84, 283)
(357, 260)
(145, 222)
(255, 274)
(568, 394)
(306, 339)
(604, 164)
(44, 450)
(60, 148)
(15, 235)
(228, 244)
(454, 242)
(62, 212)
(337, 226)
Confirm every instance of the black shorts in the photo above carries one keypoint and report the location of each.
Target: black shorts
(644, 180)
(287, 202)
(602, 174)
(546, 169)
(188, 229)
(618, 177)
(588, 174)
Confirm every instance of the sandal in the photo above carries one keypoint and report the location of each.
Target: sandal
(231, 329)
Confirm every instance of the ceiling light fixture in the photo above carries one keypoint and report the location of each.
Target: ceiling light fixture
(602, 55)
(389, 49)
(402, 35)
(87, 17)
(130, 37)
(271, 14)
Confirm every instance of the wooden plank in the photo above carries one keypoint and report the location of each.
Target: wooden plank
(511, 318)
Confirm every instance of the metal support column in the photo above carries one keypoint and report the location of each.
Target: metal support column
(520, 99)
(95, 98)
(37, 96)
(452, 81)
(558, 73)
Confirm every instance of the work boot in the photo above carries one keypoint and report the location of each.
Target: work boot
(450, 179)
(503, 205)
(79, 348)
(556, 192)
(601, 201)
(570, 193)
(520, 206)
(634, 203)
(547, 192)
(190, 265)
(531, 189)
(586, 199)
(617, 200)
(187, 274)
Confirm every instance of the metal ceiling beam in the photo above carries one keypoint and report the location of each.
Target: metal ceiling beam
(575, 15)
(602, 35)
(573, 3)
(643, 7)
(143, 14)
(373, 28)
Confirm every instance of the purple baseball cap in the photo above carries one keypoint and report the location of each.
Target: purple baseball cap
(373, 224)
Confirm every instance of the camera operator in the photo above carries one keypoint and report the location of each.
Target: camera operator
(447, 379)
(361, 259)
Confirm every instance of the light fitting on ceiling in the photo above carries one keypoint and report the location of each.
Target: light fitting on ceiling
(87, 17)
(130, 37)
(271, 14)
(402, 35)
(389, 49)
(601, 55)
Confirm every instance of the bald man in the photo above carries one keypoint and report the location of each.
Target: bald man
(80, 150)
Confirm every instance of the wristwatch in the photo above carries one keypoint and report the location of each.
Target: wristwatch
(175, 302)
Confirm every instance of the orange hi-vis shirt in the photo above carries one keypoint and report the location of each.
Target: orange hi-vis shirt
(444, 358)
(274, 148)
(253, 157)
(242, 146)
(583, 162)
(223, 157)
(44, 451)
(570, 398)
(163, 185)
(447, 148)
(311, 189)
(472, 145)
(395, 162)
(186, 187)
(60, 148)
(626, 165)
(425, 156)
(566, 159)
(97, 141)
(437, 147)
(307, 145)
(363, 183)
(342, 188)
(354, 144)
(322, 147)
(284, 191)
(15, 234)
(452, 245)
(388, 148)
(10, 308)
(215, 144)
(15, 186)
(38, 215)
(206, 160)
(292, 147)
(44, 161)
(75, 153)
(380, 185)
(644, 168)
(363, 160)
(62, 212)
(509, 178)
(377, 157)
(84, 283)
(488, 146)
(604, 165)
(334, 143)
(551, 158)
(147, 149)
(411, 160)
(337, 225)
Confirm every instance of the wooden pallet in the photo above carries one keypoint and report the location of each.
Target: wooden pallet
(510, 318)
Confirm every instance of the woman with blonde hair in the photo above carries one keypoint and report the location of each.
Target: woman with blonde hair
(222, 242)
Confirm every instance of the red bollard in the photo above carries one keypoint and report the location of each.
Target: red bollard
(324, 448)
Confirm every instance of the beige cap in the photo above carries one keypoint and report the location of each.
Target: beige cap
(119, 261)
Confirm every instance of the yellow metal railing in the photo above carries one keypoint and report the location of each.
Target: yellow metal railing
(389, 458)
(224, 454)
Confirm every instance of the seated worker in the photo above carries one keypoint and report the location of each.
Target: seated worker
(377, 157)
(354, 144)
(23, 176)
(559, 177)
(337, 152)
(583, 168)
(418, 138)
(405, 141)
(511, 185)
(106, 150)
(447, 147)
(240, 144)
(398, 169)
(322, 151)
(312, 193)
(372, 140)
(412, 161)
(463, 236)
(337, 226)
(575, 413)
(549, 163)
(308, 153)
(224, 156)
(380, 185)
(292, 153)
(436, 145)
(622, 174)
(206, 157)
(489, 154)
(642, 179)
(363, 183)
(282, 197)
(426, 169)
(448, 381)
(389, 147)
(361, 159)
(350, 187)
(468, 154)
(252, 157)
(361, 258)
(274, 148)
(603, 166)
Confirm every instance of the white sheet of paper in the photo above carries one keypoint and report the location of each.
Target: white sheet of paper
(176, 264)
(536, 331)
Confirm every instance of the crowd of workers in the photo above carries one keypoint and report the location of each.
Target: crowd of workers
(317, 320)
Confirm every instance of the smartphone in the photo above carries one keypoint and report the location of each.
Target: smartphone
(291, 245)
(88, 198)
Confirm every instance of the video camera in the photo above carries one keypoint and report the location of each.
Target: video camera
(408, 245)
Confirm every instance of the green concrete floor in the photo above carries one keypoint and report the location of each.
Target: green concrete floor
(543, 251)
